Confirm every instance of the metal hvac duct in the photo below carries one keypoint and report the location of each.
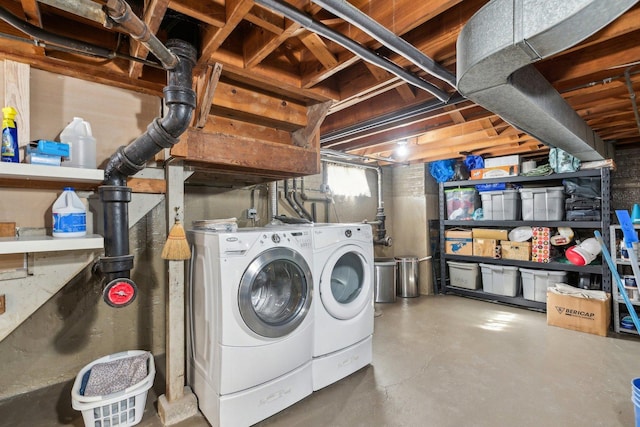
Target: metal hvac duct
(497, 46)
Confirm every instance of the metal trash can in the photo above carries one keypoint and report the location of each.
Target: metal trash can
(408, 276)
(385, 280)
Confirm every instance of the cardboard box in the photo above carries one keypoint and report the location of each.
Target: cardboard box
(579, 314)
(490, 233)
(485, 247)
(515, 250)
(541, 244)
(493, 162)
(495, 172)
(458, 242)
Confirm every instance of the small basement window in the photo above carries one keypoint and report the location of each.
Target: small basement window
(347, 181)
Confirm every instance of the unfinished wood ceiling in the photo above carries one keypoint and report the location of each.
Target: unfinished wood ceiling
(372, 110)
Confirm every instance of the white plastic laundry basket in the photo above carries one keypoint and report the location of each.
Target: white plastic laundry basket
(123, 408)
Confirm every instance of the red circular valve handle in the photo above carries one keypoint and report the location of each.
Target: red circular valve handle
(120, 293)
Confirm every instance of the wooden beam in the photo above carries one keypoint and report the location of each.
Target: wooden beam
(406, 92)
(209, 12)
(235, 11)
(153, 14)
(233, 152)
(613, 53)
(319, 49)
(266, 19)
(456, 115)
(259, 43)
(205, 89)
(146, 185)
(17, 95)
(237, 102)
(277, 80)
(32, 12)
(315, 115)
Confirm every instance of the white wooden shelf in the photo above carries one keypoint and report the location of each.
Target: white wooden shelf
(14, 245)
(26, 171)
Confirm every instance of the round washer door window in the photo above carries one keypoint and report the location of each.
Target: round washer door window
(275, 292)
(345, 283)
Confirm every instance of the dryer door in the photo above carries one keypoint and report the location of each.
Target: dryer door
(345, 283)
(275, 292)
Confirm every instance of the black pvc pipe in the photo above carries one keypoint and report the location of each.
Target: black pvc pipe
(126, 161)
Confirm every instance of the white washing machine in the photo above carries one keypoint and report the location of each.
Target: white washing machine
(250, 318)
(343, 301)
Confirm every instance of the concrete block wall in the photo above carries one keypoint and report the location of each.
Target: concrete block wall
(625, 181)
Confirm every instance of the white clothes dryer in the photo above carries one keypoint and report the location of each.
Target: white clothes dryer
(343, 301)
(250, 318)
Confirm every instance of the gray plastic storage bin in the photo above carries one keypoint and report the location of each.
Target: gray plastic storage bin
(500, 205)
(500, 279)
(464, 275)
(536, 282)
(542, 204)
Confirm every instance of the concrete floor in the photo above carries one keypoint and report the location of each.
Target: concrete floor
(441, 361)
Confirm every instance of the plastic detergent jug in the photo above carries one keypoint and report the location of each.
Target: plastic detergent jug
(82, 144)
(69, 215)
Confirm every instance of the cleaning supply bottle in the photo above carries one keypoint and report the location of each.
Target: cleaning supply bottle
(10, 149)
(69, 215)
(82, 144)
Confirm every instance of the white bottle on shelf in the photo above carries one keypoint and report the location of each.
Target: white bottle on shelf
(82, 144)
(69, 215)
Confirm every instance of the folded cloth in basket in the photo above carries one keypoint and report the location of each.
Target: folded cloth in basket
(563, 289)
(117, 375)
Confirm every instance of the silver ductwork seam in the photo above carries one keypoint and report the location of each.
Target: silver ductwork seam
(496, 49)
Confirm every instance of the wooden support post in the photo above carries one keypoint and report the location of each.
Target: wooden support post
(178, 403)
(16, 94)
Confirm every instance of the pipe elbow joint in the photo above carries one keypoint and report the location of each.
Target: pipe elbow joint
(385, 241)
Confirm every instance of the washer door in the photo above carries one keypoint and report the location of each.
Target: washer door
(345, 283)
(275, 292)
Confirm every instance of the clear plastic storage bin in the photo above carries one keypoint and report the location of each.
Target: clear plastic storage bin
(461, 202)
(500, 279)
(500, 205)
(542, 204)
(464, 275)
(536, 282)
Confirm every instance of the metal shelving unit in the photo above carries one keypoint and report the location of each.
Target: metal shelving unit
(602, 225)
(618, 302)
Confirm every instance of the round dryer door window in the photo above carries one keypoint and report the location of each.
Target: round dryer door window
(275, 292)
(345, 284)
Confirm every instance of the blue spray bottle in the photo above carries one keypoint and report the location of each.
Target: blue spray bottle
(10, 150)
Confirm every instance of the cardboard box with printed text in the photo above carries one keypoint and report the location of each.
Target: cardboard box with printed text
(579, 314)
